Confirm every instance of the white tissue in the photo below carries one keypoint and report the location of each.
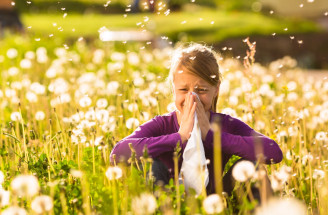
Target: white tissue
(194, 168)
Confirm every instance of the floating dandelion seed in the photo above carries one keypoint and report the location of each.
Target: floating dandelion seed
(107, 3)
(144, 204)
(37, 39)
(200, 19)
(326, 13)
(212, 22)
(301, 5)
(286, 29)
(292, 37)
(213, 204)
(28, 2)
(243, 171)
(65, 14)
(271, 11)
(310, 1)
(114, 173)
(213, 76)
(13, 3)
(274, 34)
(184, 22)
(300, 41)
(167, 12)
(63, 8)
(42, 204)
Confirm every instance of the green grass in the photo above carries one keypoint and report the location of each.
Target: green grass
(198, 25)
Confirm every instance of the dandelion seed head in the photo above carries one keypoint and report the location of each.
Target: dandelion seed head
(85, 101)
(243, 171)
(42, 204)
(132, 122)
(14, 210)
(76, 173)
(282, 206)
(12, 53)
(213, 204)
(25, 185)
(39, 115)
(15, 116)
(4, 197)
(144, 204)
(114, 173)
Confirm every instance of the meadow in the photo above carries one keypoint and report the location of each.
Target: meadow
(64, 106)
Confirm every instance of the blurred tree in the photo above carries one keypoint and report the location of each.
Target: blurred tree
(9, 18)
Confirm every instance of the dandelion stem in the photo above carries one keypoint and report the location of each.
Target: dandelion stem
(176, 179)
(217, 159)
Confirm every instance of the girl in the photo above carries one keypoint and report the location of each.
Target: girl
(195, 70)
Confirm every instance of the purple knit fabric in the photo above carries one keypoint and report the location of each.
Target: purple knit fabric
(161, 136)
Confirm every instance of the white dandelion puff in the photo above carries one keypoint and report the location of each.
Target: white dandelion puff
(15, 116)
(2, 177)
(14, 210)
(25, 185)
(42, 204)
(76, 173)
(85, 101)
(40, 115)
(321, 136)
(286, 206)
(243, 171)
(114, 173)
(25, 64)
(4, 197)
(12, 53)
(132, 122)
(144, 204)
(213, 204)
(101, 103)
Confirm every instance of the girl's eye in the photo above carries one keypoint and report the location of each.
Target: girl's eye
(202, 90)
(183, 89)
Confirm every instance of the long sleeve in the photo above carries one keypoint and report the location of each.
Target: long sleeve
(237, 138)
(153, 134)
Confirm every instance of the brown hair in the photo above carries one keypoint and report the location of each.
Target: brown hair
(199, 60)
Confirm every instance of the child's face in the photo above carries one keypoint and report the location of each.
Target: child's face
(185, 82)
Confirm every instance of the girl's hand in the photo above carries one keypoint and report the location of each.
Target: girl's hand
(187, 117)
(203, 119)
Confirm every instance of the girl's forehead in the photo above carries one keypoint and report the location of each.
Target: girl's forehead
(187, 78)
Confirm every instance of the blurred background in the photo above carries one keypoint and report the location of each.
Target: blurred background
(297, 28)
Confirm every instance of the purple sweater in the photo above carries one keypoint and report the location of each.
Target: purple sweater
(161, 136)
